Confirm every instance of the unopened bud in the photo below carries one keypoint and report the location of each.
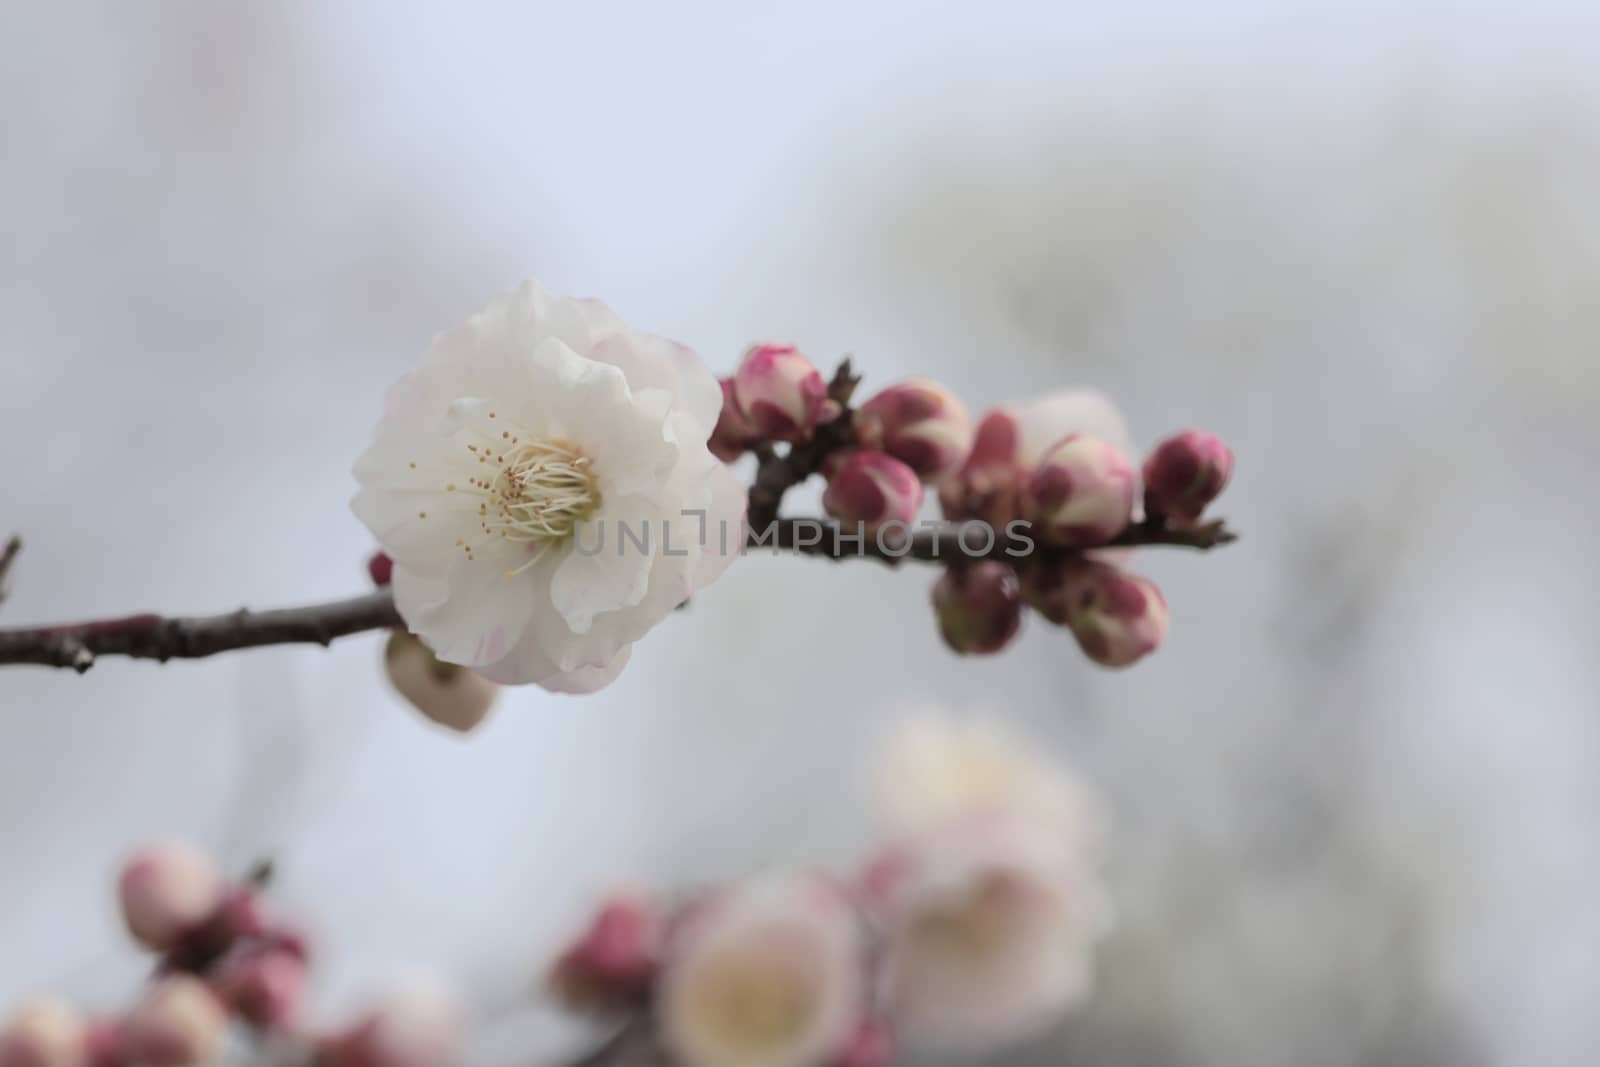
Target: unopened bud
(986, 484)
(1081, 492)
(920, 423)
(872, 488)
(1185, 473)
(45, 1032)
(979, 606)
(178, 1023)
(380, 568)
(780, 392)
(168, 890)
(612, 964)
(263, 985)
(734, 433)
(455, 697)
(871, 1045)
(1117, 617)
(415, 1025)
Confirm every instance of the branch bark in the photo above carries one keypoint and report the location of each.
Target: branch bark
(158, 637)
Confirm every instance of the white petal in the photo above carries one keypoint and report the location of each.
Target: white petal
(1045, 421)
(609, 567)
(588, 679)
(482, 610)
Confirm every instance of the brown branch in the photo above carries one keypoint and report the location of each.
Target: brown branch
(76, 645)
(157, 637)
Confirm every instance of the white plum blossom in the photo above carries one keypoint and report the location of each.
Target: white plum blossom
(544, 488)
(764, 974)
(987, 893)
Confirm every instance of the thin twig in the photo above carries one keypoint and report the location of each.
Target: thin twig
(157, 637)
(8, 556)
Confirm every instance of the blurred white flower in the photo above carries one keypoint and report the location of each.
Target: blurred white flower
(986, 892)
(179, 1022)
(544, 488)
(768, 974)
(936, 772)
(166, 890)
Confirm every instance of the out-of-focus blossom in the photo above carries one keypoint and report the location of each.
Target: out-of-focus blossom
(872, 488)
(766, 974)
(452, 696)
(1080, 493)
(988, 927)
(179, 1022)
(44, 1032)
(1185, 473)
(920, 423)
(979, 607)
(168, 890)
(418, 1023)
(780, 392)
(1117, 617)
(734, 433)
(503, 474)
(986, 889)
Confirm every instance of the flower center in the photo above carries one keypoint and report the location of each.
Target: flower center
(539, 492)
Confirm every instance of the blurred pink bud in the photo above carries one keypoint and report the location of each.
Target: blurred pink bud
(979, 607)
(871, 1045)
(1117, 617)
(1081, 492)
(920, 423)
(1185, 473)
(769, 972)
(780, 392)
(178, 1023)
(985, 486)
(872, 488)
(262, 985)
(614, 961)
(381, 569)
(45, 1032)
(457, 698)
(415, 1025)
(167, 890)
(734, 433)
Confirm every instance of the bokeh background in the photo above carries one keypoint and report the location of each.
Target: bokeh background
(1354, 796)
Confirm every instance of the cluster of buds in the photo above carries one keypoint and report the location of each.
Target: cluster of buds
(220, 960)
(1074, 492)
(909, 435)
(969, 929)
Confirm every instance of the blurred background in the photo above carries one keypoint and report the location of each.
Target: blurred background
(1354, 795)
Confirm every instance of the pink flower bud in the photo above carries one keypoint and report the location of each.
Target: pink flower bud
(168, 890)
(987, 483)
(919, 423)
(614, 961)
(979, 607)
(415, 1025)
(872, 1045)
(734, 433)
(872, 488)
(262, 985)
(780, 392)
(1185, 473)
(455, 697)
(1117, 617)
(380, 568)
(44, 1032)
(1081, 492)
(178, 1023)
